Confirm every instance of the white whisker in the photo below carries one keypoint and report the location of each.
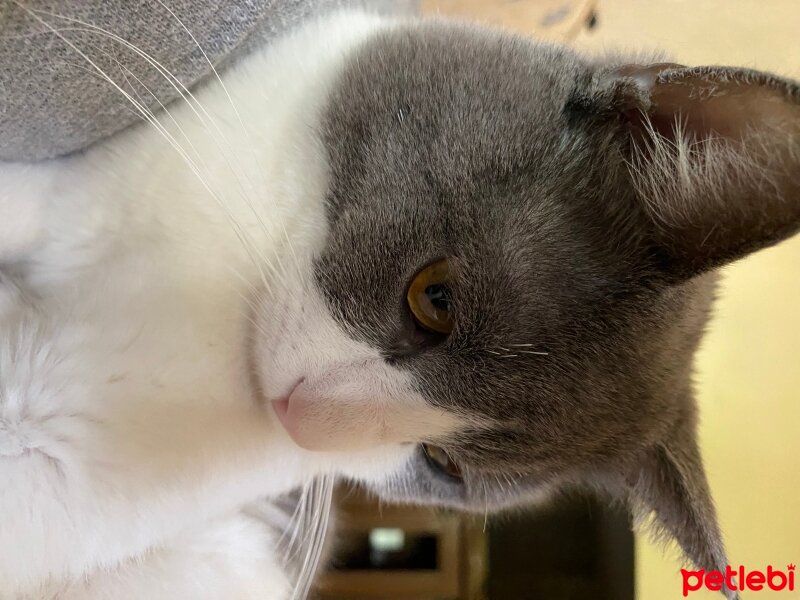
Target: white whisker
(244, 129)
(150, 118)
(187, 96)
(321, 506)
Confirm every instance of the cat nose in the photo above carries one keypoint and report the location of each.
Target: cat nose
(291, 412)
(360, 407)
(321, 424)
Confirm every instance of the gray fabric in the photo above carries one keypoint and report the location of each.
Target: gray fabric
(52, 101)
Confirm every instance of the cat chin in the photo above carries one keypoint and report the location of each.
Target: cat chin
(374, 466)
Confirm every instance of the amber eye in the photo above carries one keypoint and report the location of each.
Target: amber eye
(429, 298)
(440, 461)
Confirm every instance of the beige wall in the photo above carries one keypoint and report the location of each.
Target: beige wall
(749, 367)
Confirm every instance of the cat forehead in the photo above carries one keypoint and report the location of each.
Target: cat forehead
(444, 139)
(447, 100)
(440, 137)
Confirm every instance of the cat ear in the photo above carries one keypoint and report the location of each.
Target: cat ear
(669, 483)
(714, 155)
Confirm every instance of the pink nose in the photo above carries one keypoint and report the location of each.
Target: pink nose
(282, 410)
(320, 423)
(290, 412)
(296, 415)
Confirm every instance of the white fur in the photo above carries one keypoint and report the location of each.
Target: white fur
(232, 556)
(20, 222)
(131, 431)
(349, 397)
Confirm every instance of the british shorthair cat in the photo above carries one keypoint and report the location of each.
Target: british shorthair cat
(463, 267)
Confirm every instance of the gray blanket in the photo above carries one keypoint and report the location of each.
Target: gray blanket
(53, 101)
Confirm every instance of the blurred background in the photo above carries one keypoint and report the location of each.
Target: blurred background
(748, 378)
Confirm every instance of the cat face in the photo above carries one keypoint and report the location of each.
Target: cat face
(540, 368)
(514, 275)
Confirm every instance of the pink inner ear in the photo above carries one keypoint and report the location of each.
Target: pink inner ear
(708, 101)
(728, 184)
(721, 107)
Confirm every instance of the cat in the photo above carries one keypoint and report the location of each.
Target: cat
(459, 266)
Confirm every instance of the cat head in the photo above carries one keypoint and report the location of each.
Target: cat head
(517, 268)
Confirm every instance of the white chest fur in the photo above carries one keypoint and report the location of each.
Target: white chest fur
(123, 422)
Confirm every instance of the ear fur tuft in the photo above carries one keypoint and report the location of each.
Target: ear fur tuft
(714, 155)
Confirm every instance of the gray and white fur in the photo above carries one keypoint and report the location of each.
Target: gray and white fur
(211, 309)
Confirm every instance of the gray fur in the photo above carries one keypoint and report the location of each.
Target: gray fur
(534, 169)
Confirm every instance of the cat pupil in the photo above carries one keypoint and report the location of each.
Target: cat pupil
(439, 296)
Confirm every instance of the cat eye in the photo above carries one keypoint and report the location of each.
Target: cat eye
(428, 298)
(440, 461)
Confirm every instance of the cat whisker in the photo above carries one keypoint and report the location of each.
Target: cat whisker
(191, 145)
(249, 314)
(509, 353)
(125, 72)
(185, 95)
(293, 525)
(258, 259)
(244, 129)
(299, 527)
(94, 74)
(323, 487)
(308, 526)
(485, 504)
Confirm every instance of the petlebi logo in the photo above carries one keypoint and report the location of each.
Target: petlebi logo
(740, 579)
